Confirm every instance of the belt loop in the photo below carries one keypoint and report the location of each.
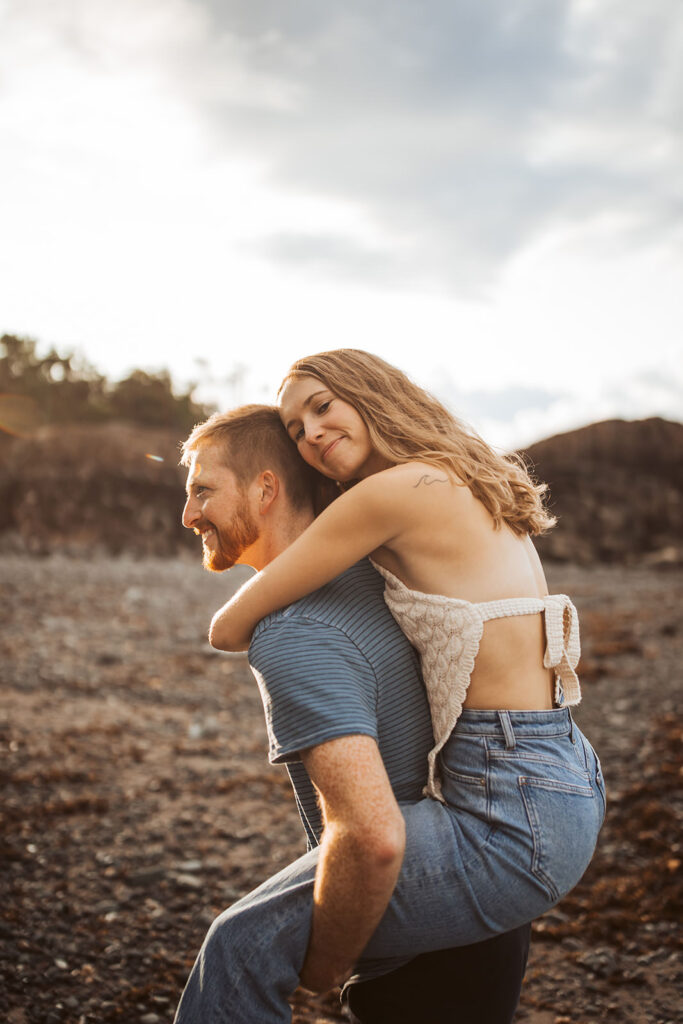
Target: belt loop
(508, 731)
(571, 725)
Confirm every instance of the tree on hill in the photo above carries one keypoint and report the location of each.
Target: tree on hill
(67, 389)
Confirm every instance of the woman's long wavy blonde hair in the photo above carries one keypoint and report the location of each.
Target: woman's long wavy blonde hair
(406, 423)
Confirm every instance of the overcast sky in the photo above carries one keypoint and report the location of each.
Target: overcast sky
(487, 193)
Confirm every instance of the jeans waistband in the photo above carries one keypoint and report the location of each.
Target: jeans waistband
(557, 722)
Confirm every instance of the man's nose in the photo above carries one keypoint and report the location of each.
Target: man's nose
(190, 514)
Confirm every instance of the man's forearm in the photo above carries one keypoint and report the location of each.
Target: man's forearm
(355, 879)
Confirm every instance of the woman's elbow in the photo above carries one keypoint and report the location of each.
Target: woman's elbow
(217, 638)
(223, 638)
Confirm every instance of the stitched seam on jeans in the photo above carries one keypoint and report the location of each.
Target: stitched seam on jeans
(540, 759)
(469, 780)
(559, 787)
(536, 868)
(489, 813)
(522, 732)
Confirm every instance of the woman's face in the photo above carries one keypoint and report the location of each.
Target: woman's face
(330, 434)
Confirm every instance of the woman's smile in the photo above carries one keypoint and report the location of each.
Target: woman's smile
(330, 448)
(318, 421)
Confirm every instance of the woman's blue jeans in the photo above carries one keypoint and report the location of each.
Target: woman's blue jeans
(525, 803)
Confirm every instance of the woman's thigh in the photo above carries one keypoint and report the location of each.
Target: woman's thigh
(451, 891)
(469, 872)
(517, 835)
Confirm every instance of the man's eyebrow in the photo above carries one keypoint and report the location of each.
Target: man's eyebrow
(307, 401)
(192, 485)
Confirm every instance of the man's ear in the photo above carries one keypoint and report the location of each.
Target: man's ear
(267, 490)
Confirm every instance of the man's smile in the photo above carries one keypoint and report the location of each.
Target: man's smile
(205, 532)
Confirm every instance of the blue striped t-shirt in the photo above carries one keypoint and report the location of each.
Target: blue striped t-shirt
(335, 664)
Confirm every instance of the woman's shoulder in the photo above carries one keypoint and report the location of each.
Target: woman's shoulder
(417, 481)
(410, 489)
(411, 474)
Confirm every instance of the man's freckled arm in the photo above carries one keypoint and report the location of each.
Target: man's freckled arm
(360, 859)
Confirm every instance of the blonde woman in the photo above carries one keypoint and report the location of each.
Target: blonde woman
(514, 785)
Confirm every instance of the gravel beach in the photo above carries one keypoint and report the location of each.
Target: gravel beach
(138, 802)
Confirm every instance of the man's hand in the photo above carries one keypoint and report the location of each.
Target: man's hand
(360, 856)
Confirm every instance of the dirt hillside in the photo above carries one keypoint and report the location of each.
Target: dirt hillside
(617, 488)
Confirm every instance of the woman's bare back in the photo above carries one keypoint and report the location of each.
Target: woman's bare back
(453, 548)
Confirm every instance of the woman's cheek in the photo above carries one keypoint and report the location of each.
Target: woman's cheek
(306, 454)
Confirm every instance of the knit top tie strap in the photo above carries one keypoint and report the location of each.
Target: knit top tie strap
(447, 631)
(563, 646)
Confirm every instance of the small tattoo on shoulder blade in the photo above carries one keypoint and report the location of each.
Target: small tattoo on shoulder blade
(426, 479)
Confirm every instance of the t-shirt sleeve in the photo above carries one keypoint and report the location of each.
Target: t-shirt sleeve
(315, 685)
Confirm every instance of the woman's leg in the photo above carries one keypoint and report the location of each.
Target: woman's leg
(454, 889)
(526, 803)
(250, 960)
(469, 872)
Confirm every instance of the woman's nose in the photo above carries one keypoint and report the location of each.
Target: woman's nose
(313, 431)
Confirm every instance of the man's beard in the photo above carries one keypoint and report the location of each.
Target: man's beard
(229, 544)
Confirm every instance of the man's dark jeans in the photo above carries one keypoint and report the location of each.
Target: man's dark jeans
(478, 984)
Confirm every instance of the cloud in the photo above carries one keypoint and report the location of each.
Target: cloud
(653, 391)
(463, 131)
(518, 414)
(459, 132)
(499, 404)
(640, 396)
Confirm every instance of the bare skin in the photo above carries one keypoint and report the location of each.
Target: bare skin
(360, 858)
(419, 523)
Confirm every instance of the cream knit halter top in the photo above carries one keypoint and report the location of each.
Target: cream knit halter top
(446, 632)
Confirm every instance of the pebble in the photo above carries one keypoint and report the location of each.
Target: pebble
(202, 728)
(602, 962)
(188, 881)
(148, 876)
(190, 866)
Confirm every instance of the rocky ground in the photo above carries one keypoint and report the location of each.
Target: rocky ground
(137, 801)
